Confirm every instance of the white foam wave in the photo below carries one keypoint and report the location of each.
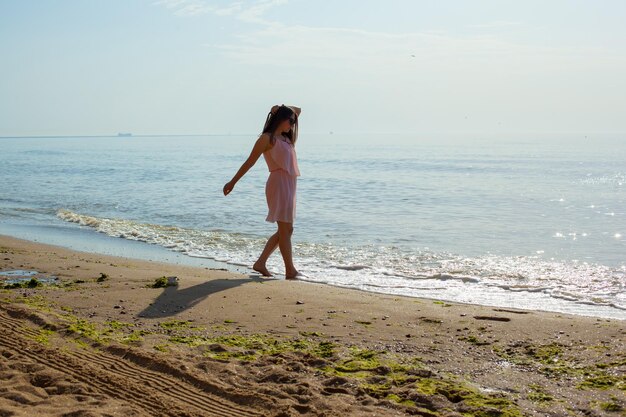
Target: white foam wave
(487, 280)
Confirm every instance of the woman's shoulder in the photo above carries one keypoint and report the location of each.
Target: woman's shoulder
(265, 140)
(265, 137)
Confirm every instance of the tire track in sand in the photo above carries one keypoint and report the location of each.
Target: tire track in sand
(15, 341)
(110, 373)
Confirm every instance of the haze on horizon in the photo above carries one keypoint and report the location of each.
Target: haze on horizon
(195, 66)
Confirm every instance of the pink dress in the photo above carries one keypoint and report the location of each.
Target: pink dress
(280, 189)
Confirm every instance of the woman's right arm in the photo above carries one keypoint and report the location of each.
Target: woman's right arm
(261, 145)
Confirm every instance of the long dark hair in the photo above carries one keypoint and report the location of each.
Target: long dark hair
(274, 119)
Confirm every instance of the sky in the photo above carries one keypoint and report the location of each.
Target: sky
(85, 67)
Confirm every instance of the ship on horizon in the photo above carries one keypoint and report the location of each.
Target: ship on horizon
(124, 134)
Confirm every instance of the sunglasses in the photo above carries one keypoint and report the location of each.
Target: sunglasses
(292, 121)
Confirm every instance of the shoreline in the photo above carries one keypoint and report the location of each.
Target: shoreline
(78, 238)
(280, 348)
(74, 237)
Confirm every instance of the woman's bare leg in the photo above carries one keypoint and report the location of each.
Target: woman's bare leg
(270, 246)
(284, 243)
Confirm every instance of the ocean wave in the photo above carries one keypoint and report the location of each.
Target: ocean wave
(390, 269)
(618, 179)
(24, 212)
(351, 267)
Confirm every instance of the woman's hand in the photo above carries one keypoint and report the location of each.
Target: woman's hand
(228, 187)
(295, 109)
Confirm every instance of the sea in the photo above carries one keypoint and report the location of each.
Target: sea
(531, 221)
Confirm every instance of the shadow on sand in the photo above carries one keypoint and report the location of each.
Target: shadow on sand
(173, 300)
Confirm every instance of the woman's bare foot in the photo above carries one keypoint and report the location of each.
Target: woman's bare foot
(261, 269)
(292, 274)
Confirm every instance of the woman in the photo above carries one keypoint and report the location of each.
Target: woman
(277, 144)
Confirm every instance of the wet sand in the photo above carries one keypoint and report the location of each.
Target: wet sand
(100, 341)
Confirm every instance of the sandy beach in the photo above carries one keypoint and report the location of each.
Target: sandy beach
(89, 335)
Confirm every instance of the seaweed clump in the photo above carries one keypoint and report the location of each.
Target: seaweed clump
(164, 282)
(32, 283)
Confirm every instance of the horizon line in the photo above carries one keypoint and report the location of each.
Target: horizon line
(589, 133)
